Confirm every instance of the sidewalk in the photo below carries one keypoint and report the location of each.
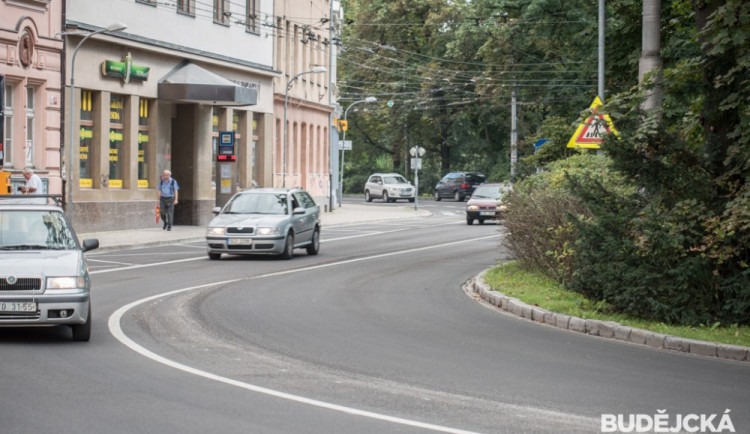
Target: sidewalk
(153, 236)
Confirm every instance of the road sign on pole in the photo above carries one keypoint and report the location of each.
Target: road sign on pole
(590, 133)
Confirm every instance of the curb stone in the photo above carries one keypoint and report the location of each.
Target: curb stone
(605, 329)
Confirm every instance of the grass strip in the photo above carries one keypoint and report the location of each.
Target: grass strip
(538, 290)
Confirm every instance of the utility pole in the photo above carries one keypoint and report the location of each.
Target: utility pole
(602, 25)
(513, 133)
(650, 61)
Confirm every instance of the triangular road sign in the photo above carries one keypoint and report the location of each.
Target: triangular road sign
(591, 132)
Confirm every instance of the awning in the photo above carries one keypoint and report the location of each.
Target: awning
(190, 83)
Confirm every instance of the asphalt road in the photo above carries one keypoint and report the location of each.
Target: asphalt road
(372, 335)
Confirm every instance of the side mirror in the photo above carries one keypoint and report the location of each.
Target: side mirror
(299, 210)
(90, 244)
(216, 210)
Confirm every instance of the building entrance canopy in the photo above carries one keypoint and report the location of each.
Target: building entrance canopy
(189, 83)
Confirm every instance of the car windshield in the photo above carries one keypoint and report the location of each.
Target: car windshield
(258, 203)
(395, 180)
(37, 230)
(487, 193)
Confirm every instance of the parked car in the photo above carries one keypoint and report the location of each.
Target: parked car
(265, 221)
(458, 185)
(44, 277)
(388, 186)
(486, 203)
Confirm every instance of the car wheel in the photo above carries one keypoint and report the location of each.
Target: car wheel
(82, 332)
(385, 197)
(469, 221)
(437, 196)
(314, 246)
(411, 200)
(288, 247)
(214, 256)
(458, 197)
(368, 198)
(481, 221)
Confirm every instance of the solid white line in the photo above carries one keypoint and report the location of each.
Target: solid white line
(116, 330)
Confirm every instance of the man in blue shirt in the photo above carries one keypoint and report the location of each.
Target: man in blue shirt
(167, 196)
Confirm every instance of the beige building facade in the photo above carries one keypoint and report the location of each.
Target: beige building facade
(302, 44)
(30, 67)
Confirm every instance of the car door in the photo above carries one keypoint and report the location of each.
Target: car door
(304, 224)
(376, 187)
(441, 186)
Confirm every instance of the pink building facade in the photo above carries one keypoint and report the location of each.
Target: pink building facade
(30, 67)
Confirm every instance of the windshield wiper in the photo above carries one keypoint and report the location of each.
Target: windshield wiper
(25, 247)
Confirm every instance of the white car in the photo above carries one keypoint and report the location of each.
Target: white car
(44, 277)
(388, 186)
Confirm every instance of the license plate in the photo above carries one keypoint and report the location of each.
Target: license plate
(490, 213)
(240, 241)
(17, 306)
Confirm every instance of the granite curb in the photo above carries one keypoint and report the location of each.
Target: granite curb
(605, 329)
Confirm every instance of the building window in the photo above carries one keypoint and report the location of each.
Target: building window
(7, 145)
(253, 20)
(186, 7)
(86, 150)
(30, 96)
(116, 110)
(143, 142)
(222, 14)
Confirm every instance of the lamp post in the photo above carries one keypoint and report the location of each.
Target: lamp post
(417, 152)
(315, 70)
(369, 99)
(114, 27)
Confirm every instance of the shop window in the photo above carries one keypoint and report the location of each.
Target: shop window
(30, 124)
(143, 142)
(86, 152)
(8, 144)
(116, 110)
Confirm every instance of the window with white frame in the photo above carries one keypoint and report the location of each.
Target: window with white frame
(8, 144)
(30, 105)
(222, 13)
(186, 7)
(253, 20)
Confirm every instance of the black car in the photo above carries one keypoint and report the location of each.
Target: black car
(458, 185)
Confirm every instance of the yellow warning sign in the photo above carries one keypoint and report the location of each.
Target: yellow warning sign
(591, 132)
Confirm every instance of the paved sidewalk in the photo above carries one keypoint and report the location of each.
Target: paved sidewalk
(346, 214)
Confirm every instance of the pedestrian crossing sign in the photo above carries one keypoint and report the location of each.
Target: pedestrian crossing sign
(590, 134)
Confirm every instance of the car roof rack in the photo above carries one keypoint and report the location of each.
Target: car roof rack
(19, 198)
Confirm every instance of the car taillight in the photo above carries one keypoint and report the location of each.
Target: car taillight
(465, 185)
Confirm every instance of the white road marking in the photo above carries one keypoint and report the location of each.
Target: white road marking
(116, 331)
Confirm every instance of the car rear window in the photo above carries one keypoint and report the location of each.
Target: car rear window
(474, 178)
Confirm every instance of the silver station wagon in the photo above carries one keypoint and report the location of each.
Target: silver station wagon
(265, 221)
(44, 277)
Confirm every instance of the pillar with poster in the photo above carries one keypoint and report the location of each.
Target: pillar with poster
(226, 170)
(5, 187)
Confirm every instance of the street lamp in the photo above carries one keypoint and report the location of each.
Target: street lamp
(369, 99)
(315, 70)
(114, 27)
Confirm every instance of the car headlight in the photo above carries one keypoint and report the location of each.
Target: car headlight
(65, 282)
(472, 208)
(269, 231)
(216, 231)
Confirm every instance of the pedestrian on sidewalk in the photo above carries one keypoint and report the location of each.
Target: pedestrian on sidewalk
(33, 184)
(167, 197)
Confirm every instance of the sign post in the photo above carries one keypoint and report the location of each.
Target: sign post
(416, 163)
